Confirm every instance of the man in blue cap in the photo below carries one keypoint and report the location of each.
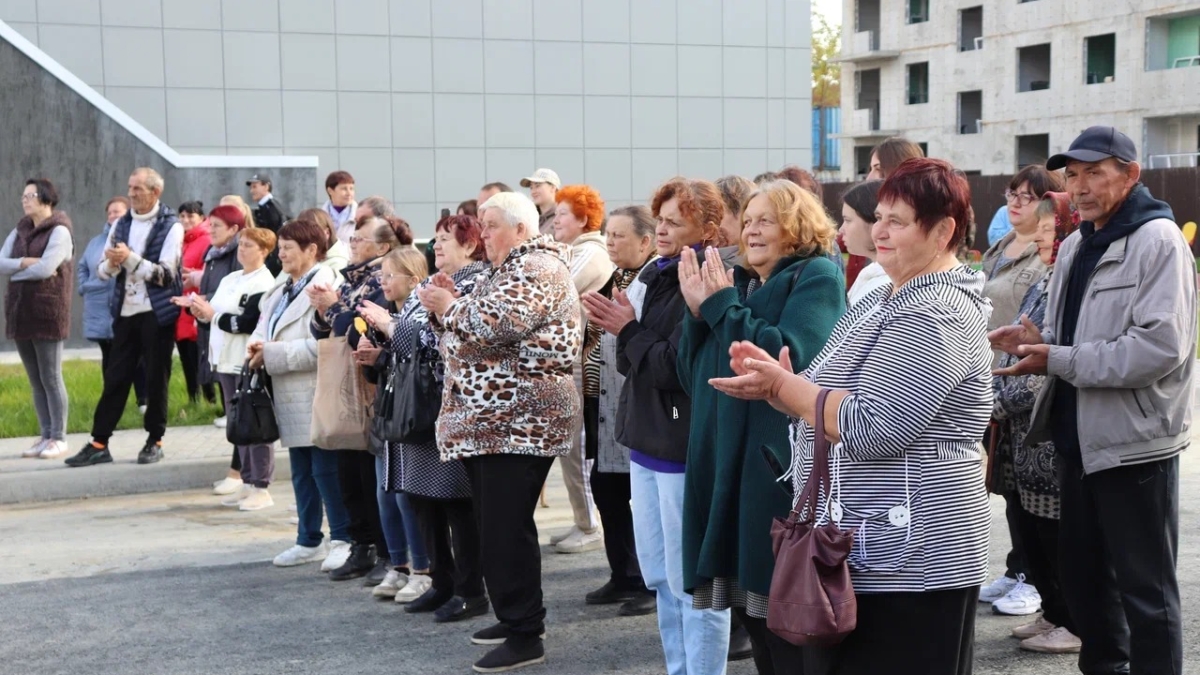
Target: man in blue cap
(1118, 347)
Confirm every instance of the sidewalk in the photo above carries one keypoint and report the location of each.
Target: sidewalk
(194, 457)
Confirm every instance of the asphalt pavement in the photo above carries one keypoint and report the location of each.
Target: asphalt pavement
(174, 584)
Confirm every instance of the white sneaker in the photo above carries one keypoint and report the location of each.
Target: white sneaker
(258, 499)
(53, 449)
(294, 520)
(227, 486)
(562, 537)
(415, 588)
(1022, 600)
(581, 542)
(392, 582)
(142, 409)
(339, 552)
(298, 555)
(220, 422)
(996, 589)
(237, 498)
(35, 450)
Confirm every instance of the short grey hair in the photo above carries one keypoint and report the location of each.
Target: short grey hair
(644, 224)
(516, 208)
(379, 206)
(150, 178)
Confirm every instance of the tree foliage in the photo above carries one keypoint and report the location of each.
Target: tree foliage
(826, 73)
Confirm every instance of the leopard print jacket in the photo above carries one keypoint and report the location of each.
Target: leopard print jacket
(509, 347)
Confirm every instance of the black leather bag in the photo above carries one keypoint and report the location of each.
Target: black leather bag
(251, 414)
(411, 400)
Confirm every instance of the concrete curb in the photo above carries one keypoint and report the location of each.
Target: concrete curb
(121, 478)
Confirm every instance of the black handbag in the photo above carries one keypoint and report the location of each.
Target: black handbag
(251, 413)
(411, 400)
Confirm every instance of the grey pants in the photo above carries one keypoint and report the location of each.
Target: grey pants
(258, 461)
(43, 364)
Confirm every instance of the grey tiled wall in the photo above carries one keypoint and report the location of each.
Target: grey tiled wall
(425, 100)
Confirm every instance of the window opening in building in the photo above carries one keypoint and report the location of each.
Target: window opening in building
(867, 88)
(918, 11)
(970, 112)
(918, 83)
(1033, 68)
(1100, 58)
(866, 20)
(970, 29)
(1173, 42)
(1032, 149)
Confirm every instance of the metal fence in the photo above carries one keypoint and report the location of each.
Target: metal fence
(1178, 187)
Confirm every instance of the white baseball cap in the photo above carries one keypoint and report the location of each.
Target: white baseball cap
(542, 176)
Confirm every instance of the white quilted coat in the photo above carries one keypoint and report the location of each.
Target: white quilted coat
(290, 357)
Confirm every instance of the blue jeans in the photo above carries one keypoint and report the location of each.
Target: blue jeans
(315, 482)
(399, 524)
(695, 642)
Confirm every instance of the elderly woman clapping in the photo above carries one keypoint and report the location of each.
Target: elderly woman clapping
(509, 407)
(908, 371)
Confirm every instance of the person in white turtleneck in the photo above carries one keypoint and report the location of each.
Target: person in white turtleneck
(143, 254)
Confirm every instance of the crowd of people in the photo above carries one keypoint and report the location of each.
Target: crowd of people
(681, 359)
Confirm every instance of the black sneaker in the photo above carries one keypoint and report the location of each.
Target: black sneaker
(461, 609)
(359, 564)
(740, 648)
(611, 594)
(375, 577)
(645, 603)
(90, 455)
(511, 656)
(430, 601)
(151, 452)
(495, 635)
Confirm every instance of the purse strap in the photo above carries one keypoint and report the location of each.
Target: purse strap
(811, 494)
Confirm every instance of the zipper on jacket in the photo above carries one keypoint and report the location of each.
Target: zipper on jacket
(1075, 335)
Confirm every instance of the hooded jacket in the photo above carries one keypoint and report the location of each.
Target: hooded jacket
(1121, 319)
(907, 470)
(509, 347)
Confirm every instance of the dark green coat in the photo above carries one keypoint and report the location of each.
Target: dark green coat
(731, 495)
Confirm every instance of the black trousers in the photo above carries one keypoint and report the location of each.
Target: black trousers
(772, 654)
(1117, 549)
(189, 361)
(356, 476)
(904, 634)
(505, 490)
(1040, 538)
(1015, 562)
(139, 377)
(452, 540)
(136, 338)
(611, 492)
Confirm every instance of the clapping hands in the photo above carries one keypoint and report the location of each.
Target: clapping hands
(698, 283)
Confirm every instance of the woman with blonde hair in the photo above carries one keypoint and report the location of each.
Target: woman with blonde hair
(247, 212)
(787, 294)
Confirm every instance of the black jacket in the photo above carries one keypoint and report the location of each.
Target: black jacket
(271, 216)
(654, 413)
(216, 269)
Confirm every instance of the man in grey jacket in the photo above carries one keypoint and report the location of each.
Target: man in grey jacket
(1119, 347)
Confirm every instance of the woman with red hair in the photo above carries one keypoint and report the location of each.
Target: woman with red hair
(903, 389)
(578, 217)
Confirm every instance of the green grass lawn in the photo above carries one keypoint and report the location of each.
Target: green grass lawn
(84, 384)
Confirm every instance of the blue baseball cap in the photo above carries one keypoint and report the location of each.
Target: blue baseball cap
(1093, 145)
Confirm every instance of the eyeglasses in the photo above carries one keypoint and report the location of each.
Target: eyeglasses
(29, 196)
(1021, 198)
